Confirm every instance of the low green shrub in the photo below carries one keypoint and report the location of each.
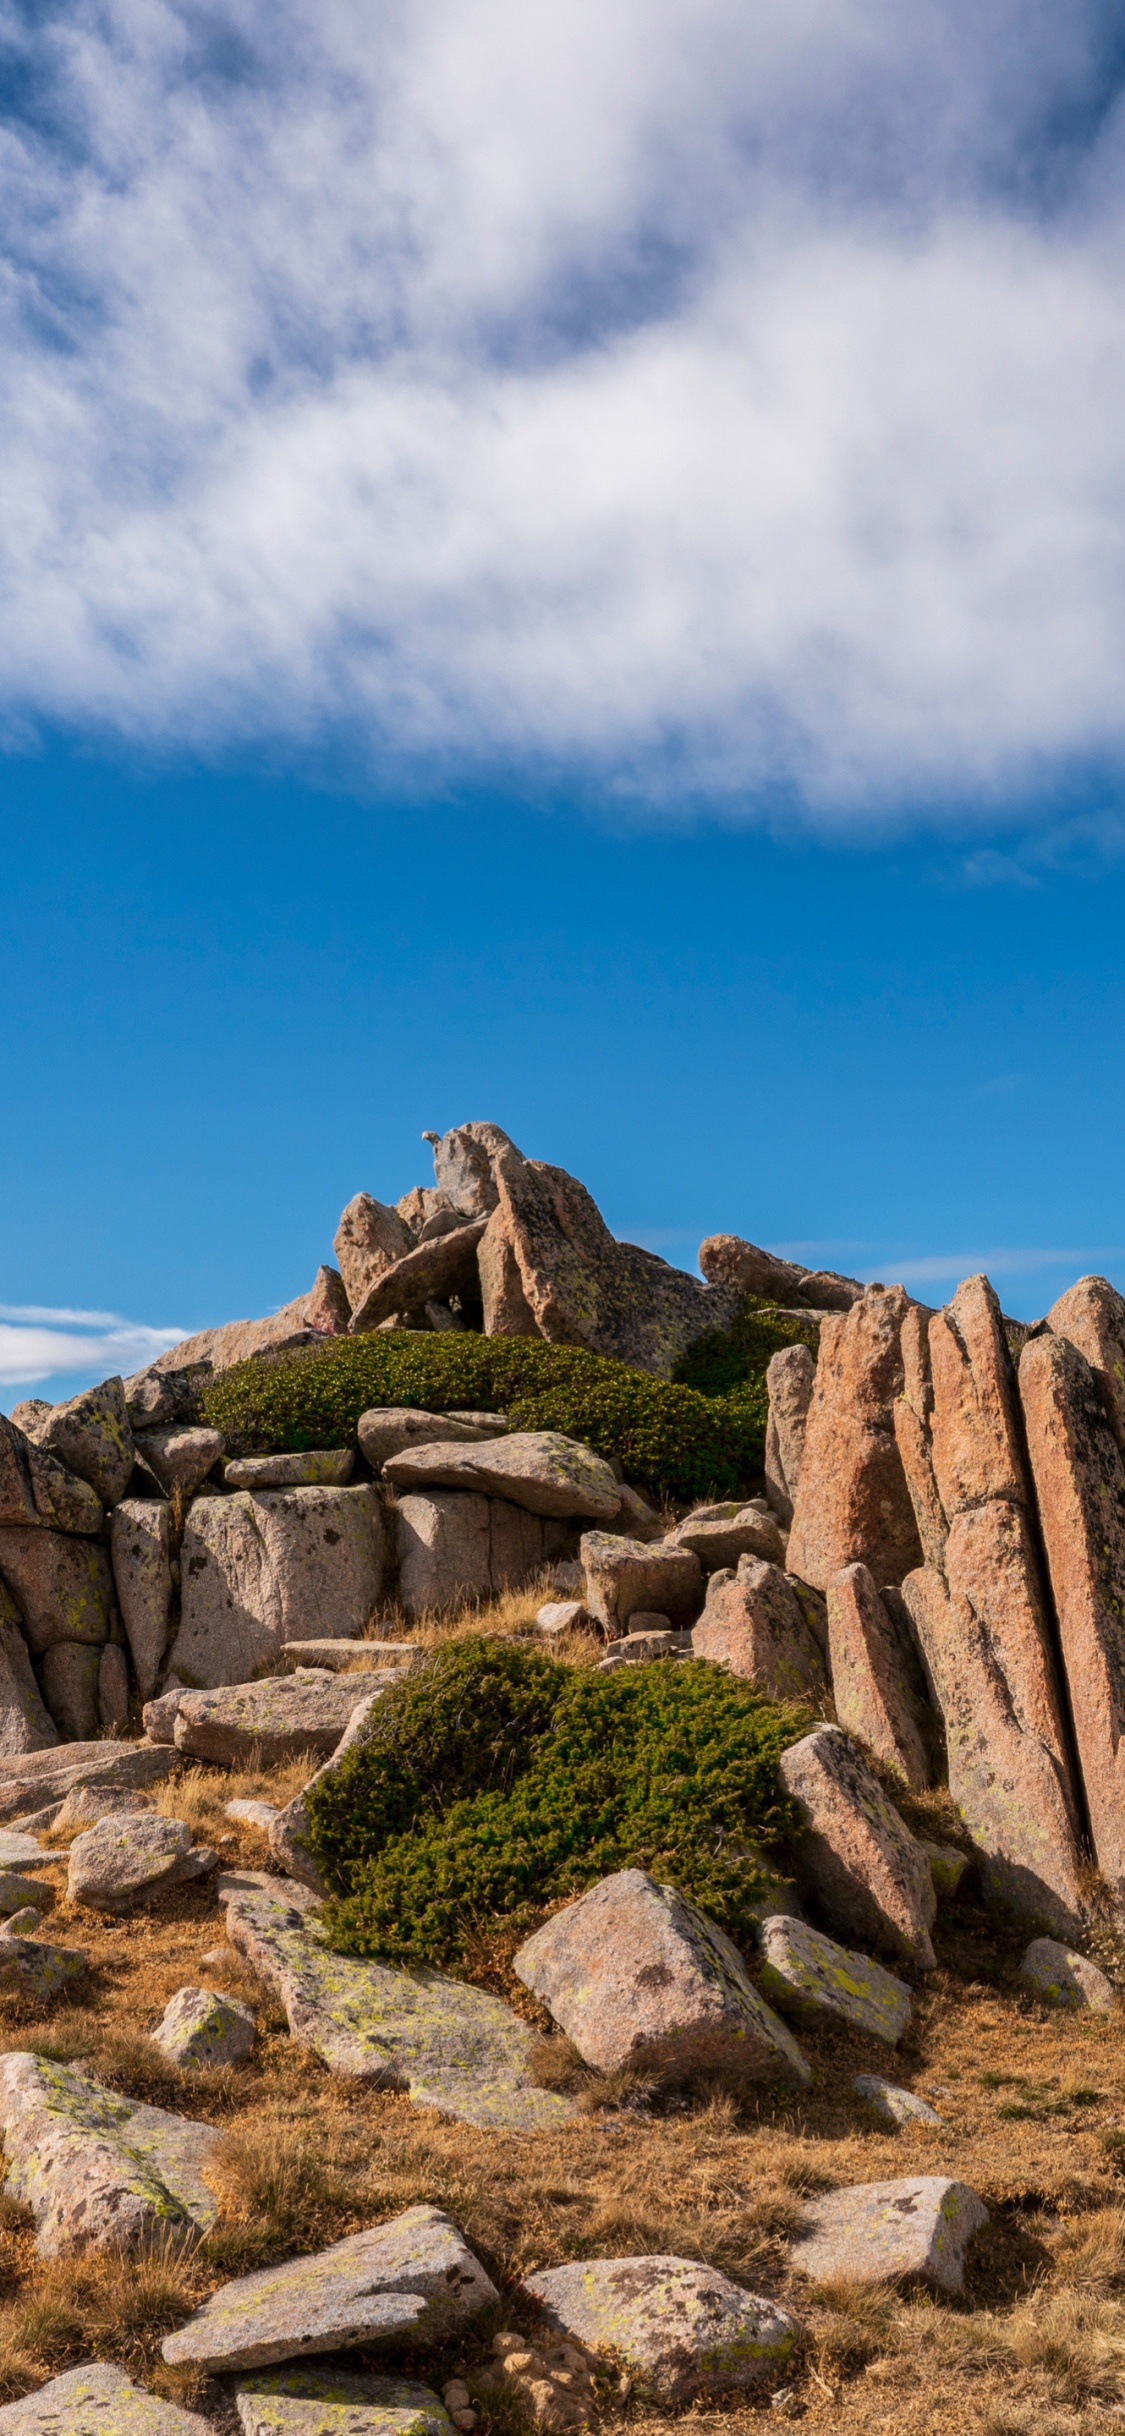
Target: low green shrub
(680, 1439)
(731, 1364)
(495, 1780)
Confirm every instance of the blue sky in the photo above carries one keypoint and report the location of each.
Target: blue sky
(566, 566)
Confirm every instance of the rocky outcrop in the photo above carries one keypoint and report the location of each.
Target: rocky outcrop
(914, 2232)
(680, 2328)
(428, 1273)
(754, 1625)
(539, 1470)
(857, 1858)
(370, 1238)
(98, 2171)
(255, 1568)
(876, 1685)
(728, 1260)
(1091, 1316)
(92, 1437)
(790, 1378)
(852, 1504)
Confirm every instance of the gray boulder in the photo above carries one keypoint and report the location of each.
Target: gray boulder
(25, 1724)
(37, 1491)
(98, 2171)
(1058, 1976)
(321, 1467)
(91, 1435)
(625, 1574)
(335, 2401)
(389, 1428)
(807, 1976)
(179, 1458)
(140, 1539)
(37, 1968)
(257, 1568)
(915, 2232)
(412, 2281)
(681, 2328)
(71, 1674)
(632, 1972)
(283, 1718)
(62, 1586)
(200, 2029)
(898, 2107)
(98, 2400)
(15, 1891)
(130, 1856)
(539, 1470)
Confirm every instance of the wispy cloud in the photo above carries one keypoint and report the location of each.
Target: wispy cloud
(1004, 1263)
(718, 399)
(38, 1344)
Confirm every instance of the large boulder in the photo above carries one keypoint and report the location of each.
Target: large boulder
(92, 1436)
(140, 1539)
(38, 1491)
(428, 1272)
(680, 2328)
(62, 1586)
(790, 1378)
(808, 1976)
(256, 1569)
(1091, 1315)
(852, 1503)
(753, 1623)
(98, 2400)
(915, 2232)
(388, 1428)
(876, 1684)
(464, 1166)
(369, 1239)
(129, 1856)
(857, 1857)
(286, 1717)
(454, 1546)
(634, 1973)
(25, 1724)
(540, 1470)
(98, 2171)
(411, 2282)
(179, 1458)
(627, 1575)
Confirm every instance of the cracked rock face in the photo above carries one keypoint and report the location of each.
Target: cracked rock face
(806, 1975)
(914, 2231)
(286, 1717)
(414, 2280)
(96, 2170)
(98, 2400)
(255, 1566)
(680, 2327)
(336, 2401)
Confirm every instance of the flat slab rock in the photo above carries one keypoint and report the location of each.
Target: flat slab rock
(1061, 1977)
(682, 2328)
(412, 2280)
(915, 2231)
(132, 1854)
(320, 1467)
(632, 1967)
(540, 1470)
(98, 2400)
(447, 2044)
(807, 1975)
(33, 1779)
(96, 2170)
(336, 2401)
(286, 1717)
(341, 1654)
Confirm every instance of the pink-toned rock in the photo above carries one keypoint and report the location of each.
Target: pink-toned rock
(370, 1238)
(857, 1857)
(852, 1503)
(326, 1304)
(91, 1435)
(62, 1586)
(974, 1432)
(873, 1676)
(238, 1341)
(623, 1575)
(36, 1490)
(790, 1376)
(728, 1260)
(720, 1540)
(427, 1272)
(1091, 1315)
(1080, 1487)
(507, 1311)
(754, 1625)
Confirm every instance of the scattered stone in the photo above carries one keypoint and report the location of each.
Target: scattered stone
(790, 1375)
(61, 1584)
(16, 1891)
(180, 1458)
(289, 1832)
(42, 1968)
(256, 1567)
(867, 1871)
(754, 1625)
(414, 2280)
(199, 2028)
(550, 2377)
(336, 2401)
(252, 1814)
(682, 2328)
(327, 1467)
(283, 1718)
(98, 2171)
(539, 1470)
(448, 2044)
(30, 1780)
(872, 1671)
(1061, 1977)
(894, 2105)
(454, 1546)
(722, 1541)
(343, 1656)
(947, 1868)
(36, 1491)
(25, 1723)
(92, 1436)
(71, 1673)
(124, 1859)
(852, 1503)
(806, 1976)
(624, 1574)
(563, 1615)
(914, 2231)
(633, 1971)
(97, 2400)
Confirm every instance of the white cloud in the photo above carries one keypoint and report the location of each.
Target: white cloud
(1005, 1263)
(38, 1344)
(696, 397)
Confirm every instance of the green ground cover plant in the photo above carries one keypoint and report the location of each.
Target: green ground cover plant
(681, 1439)
(495, 1781)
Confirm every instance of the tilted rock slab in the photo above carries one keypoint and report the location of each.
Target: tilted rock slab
(320, 1467)
(807, 1975)
(755, 1626)
(857, 1855)
(130, 1855)
(200, 2029)
(336, 2401)
(632, 1970)
(790, 1377)
(447, 2044)
(256, 1569)
(974, 1429)
(852, 1503)
(456, 1544)
(98, 2400)
(1061, 1977)
(92, 1436)
(285, 1717)
(681, 2328)
(428, 1272)
(387, 1429)
(623, 1575)
(25, 1724)
(32, 1780)
(872, 1676)
(1080, 1486)
(370, 1238)
(915, 2231)
(540, 1470)
(96, 2170)
(1091, 1315)
(289, 1830)
(37, 1492)
(412, 2281)
(140, 1538)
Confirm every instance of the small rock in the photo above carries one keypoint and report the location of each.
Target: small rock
(540, 1470)
(180, 1458)
(44, 1969)
(895, 2105)
(680, 2327)
(625, 1574)
(200, 2028)
(1061, 1977)
(806, 1975)
(548, 2375)
(638, 1648)
(321, 1467)
(286, 1717)
(563, 1615)
(747, 1532)
(98, 2171)
(335, 2401)
(97, 2400)
(24, 1923)
(16, 1892)
(890, 2232)
(947, 1868)
(89, 1803)
(633, 1970)
(126, 1858)
(252, 1814)
(414, 2280)
(869, 1874)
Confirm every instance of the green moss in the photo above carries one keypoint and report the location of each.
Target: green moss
(495, 1781)
(680, 1439)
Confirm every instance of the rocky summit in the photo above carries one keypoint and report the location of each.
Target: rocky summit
(563, 1849)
